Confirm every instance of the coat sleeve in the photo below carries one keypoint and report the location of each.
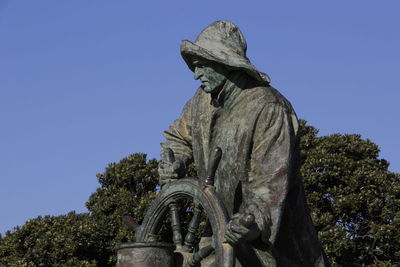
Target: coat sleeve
(270, 167)
(178, 137)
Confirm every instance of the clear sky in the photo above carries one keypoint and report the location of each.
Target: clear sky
(85, 83)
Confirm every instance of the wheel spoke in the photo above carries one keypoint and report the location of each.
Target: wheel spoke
(193, 226)
(175, 224)
(201, 254)
(171, 202)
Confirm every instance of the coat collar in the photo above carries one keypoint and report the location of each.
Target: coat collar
(236, 82)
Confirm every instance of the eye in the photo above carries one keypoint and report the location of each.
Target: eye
(198, 64)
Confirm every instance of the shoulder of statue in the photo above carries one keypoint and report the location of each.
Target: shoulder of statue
(266, 94)
(263, 96)
(200, 94)
(272, 95)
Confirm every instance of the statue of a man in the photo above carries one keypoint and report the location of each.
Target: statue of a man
(236, 109)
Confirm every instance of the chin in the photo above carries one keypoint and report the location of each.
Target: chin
(207, 90)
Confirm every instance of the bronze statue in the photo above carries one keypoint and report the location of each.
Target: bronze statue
(256, 128)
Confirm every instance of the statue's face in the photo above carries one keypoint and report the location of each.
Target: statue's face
(212, 75)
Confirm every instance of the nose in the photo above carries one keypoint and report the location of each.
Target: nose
(197, 73)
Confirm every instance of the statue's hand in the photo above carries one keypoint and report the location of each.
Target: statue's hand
(170, 171)
(241, 227)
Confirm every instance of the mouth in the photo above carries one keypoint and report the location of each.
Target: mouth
(203, 83)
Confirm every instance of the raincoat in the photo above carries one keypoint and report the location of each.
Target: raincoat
(256, 129)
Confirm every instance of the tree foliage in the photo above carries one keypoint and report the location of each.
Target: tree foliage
(353, 198)
(127, 187)
(67, 240)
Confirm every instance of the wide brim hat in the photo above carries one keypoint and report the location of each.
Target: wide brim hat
(222, 42)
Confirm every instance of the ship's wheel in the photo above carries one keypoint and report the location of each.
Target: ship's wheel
(205, 203)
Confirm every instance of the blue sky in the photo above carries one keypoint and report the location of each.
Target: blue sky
(85, 83)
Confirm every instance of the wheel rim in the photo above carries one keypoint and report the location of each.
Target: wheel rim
(209, 201)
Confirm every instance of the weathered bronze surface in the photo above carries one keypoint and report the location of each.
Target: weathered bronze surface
(187, 253)
(205, 196)
(256, 128)
(242, 135)
(150, 254)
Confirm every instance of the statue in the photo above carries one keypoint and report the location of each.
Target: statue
(256, 128)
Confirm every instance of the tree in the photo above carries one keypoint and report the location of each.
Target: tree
(65, 240)
(354, 199)
(127, 187)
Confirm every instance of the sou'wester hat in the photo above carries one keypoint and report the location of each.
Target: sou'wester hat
(222, 42)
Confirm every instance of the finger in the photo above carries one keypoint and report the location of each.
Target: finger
(164, 165)
(236, 228)
(236, 216)
(163, 153)
(162, 172)
(231, 231)
(237, 236)
(161, 165)
(167, 171)
(176, 165)
(168, 155)
(231, 237)
(167, 175)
